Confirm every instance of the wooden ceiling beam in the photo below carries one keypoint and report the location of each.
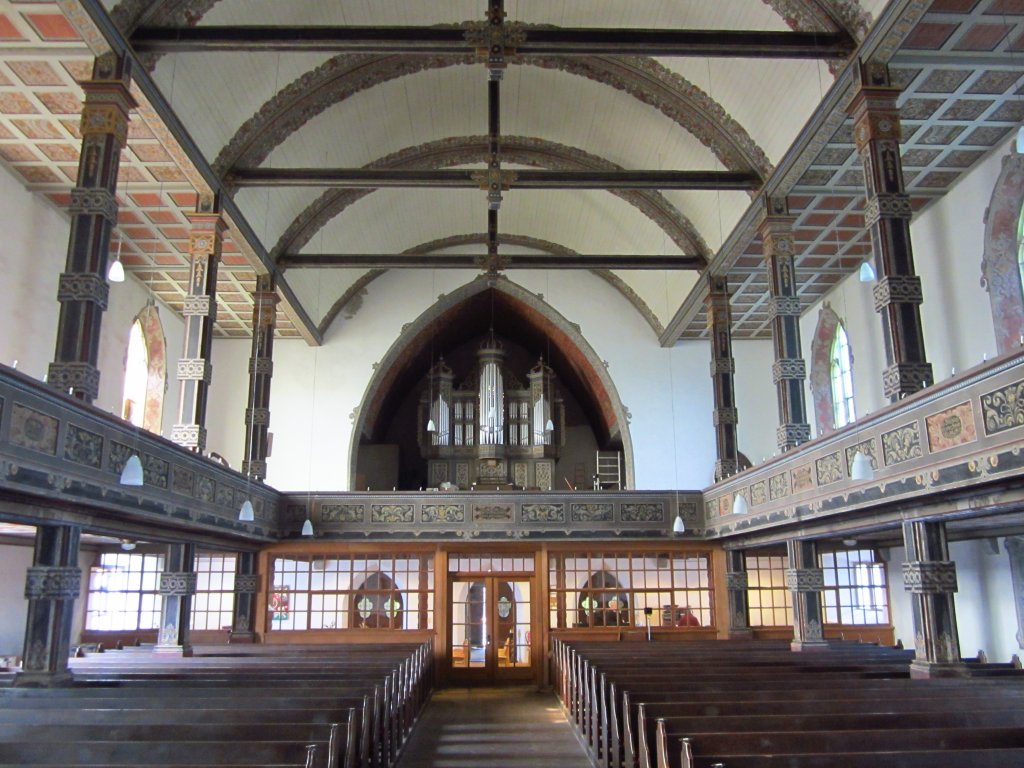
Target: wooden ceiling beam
(375, 178)
(478, 261)
(460, 40)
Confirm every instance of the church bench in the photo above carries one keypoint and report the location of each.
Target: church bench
(96, 752)
(729, 748)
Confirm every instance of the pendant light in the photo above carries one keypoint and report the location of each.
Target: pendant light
(867, 272)
(307, 527)
(861, 468)
(131, 472)
(431, 426)
(678, 526)
(739, 505)
(115, 273)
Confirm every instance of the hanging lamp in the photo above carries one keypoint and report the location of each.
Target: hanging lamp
(131, 472)
(115, 273)
(861, 468)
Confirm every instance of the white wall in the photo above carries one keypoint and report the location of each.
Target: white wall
(314, 452)
(948, 247)
(756, 398)
(32, 256)
(985, 610)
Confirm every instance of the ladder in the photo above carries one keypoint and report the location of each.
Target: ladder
(609, 470)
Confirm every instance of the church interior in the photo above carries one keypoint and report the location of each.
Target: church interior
(469, 342)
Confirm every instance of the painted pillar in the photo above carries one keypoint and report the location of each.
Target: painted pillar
(930, 576)
(200, 313)
(261, 371)
(805, 581)
(723, 369)
(789, 369)
(177, 585)
(53, 583)
(83, 290)
(736, 583)
(887, 214)
(247, 584)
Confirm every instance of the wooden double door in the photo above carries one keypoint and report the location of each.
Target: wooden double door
(491, 628)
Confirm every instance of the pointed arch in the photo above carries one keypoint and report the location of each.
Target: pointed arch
(821, 369)
(566, 340)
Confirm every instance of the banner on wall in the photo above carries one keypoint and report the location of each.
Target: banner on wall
(280, 604)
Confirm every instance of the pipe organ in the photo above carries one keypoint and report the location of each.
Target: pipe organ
(491, 431)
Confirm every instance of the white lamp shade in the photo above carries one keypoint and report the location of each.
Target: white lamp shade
(307, 527)
(861, 468)
(867, 273)
(431, 427)
(550, 426)
(115, 273)
(679, 526)
(131, 473)
(739, 505)
(246, 514)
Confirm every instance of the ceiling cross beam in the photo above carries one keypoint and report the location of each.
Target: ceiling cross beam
(457, 178)
(460, 40)
(480, 261)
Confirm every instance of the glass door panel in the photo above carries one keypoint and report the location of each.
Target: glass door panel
(491, 630)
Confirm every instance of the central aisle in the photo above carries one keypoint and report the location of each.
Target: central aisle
(507, 727)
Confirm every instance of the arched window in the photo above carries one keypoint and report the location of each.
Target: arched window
(377, 604)
(841, 374)
(602, 602)
(136, 375)
(145, 372)
(1002, 268)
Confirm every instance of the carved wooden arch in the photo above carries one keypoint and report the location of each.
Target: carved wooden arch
(563, 334)
(353, 295)
(524, 150)
(1000, 274)
(821, 369)
(348, 74)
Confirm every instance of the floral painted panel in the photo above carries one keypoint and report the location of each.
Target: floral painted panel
(829, 468)
(83, 447)
(543, 513)
(443, 513)
(643, 513)
(592, 513)
(1003, 408)
(901, 444)
(391, 513)
(342, 513)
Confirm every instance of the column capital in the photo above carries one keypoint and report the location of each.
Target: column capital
(247, 583)
(51, 582)
(737, 580)
(177, 583)
(805, 579)
(930, 577)
(83, 378)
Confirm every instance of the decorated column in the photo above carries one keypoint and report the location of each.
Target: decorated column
(930, 576)
(261, 371)
(82, 290)
(723, 368)
(200, 313)
(736, 583)
(887, 214)
(805, 581)
(247, 583)
(789, 369)
(177, 585)
(54, 582)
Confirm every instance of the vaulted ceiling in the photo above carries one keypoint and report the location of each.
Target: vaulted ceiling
(636, 140)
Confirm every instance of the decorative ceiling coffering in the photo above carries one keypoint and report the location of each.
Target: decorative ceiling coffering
(622, 138)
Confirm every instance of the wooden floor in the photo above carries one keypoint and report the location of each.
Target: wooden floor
(478, 728)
